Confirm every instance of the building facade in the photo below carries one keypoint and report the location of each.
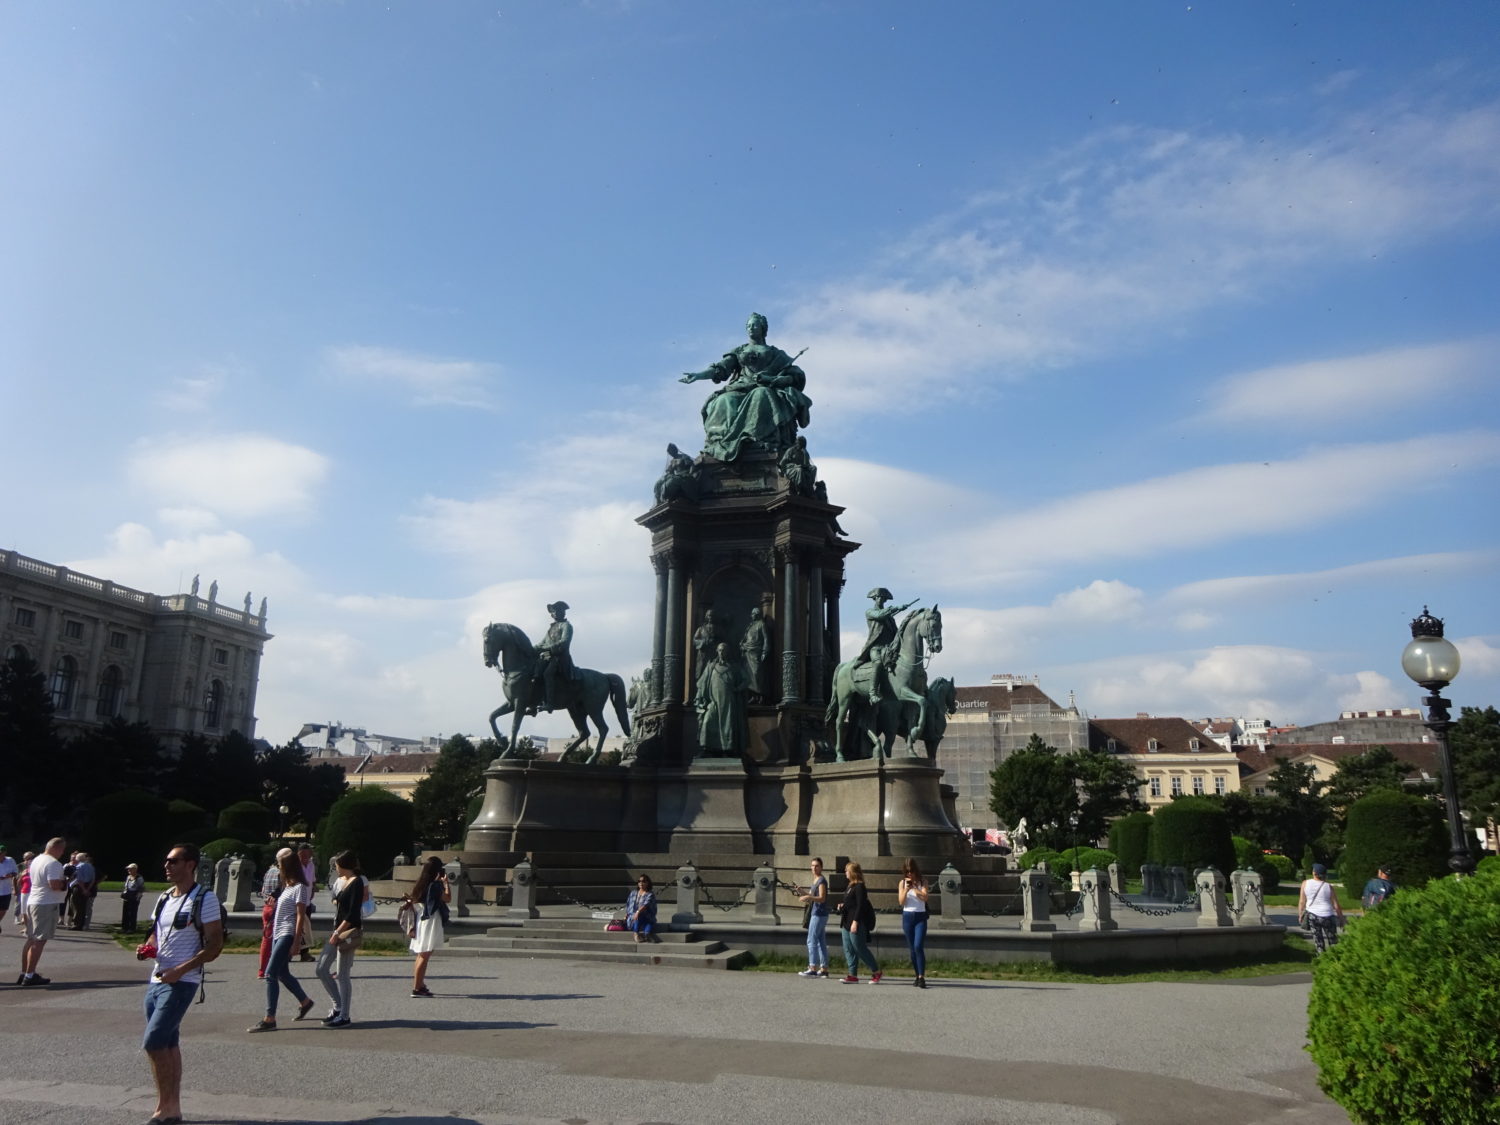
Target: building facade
(1171, 756)
(180, 663)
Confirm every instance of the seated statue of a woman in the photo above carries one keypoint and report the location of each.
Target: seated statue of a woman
(761, 404)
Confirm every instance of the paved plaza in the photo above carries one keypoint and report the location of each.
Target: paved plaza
(555, 1041)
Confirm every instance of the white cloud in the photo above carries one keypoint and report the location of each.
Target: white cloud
(1132, 230)
(135, 556)
(235, 475)
(194, 394)
(431, 380)
(1281, 587)
(1339, 390)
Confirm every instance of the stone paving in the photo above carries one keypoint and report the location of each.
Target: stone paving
(531, 1041)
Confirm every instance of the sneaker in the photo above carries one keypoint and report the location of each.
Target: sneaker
(921, 982)
(35, 980)
(341, 1023)
(821, 973)
(850, 980)
(331, 1017)
(808, 973)
(875, 977)
(421, 992)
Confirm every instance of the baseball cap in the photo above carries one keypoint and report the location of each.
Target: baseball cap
(1319, 869)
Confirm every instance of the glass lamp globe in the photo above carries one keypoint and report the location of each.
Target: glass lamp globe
(1429, 658)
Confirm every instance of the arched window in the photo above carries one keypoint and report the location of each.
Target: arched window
(17, 652)
(213, 705)
(110, 684)
(64, 684)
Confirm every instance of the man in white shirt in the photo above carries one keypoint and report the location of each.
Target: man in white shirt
(48, 889)
(8, 874)
(187, 932)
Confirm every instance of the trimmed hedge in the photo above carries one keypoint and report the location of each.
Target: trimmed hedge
(1401, 1020)
(1192, 832)
(187, 823)
(1086, 858)
(216, 850)
(1285, 869)
(127, 827)
(376, 823)
(247, 820)
(1401, 829)
(1035, 856)
(1130, 840)
(1489, 865)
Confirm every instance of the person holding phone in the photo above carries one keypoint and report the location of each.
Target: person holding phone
(911, 893)
(817, 922)
(430, 895)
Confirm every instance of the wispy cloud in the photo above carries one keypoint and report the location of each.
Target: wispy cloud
(1281, 587)
(1313, 393)
(195, 393)
(236, 475)
(430, 380)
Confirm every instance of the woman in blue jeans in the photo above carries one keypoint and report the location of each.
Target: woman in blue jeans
(640, 910)
(911, 892)
(817, 923)
(288, 930)
(858, 919)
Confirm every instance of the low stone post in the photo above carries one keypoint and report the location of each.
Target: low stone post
(1249, 903)
(204, 875)
(1036, 902)
(1116, 880)
(221, 878)
(1093, 887)
(400, 861)
(1176, 890)
(1151, 880)
(1212, 910)
(241, 884)
(458, 885)
(686, 913)
(522, 891)
(951, 890)
(764, 882)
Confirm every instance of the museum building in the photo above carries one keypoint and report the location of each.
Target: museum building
(180, 663)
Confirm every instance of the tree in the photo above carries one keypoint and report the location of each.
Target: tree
(1051, 789)
(29, 750)
(1474, 742)
(287, 776)
(440, 800)
(116, 756)
(1401, 832)
(1376, 768)
(1297, 811)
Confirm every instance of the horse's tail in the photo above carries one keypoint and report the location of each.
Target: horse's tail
(617, 694)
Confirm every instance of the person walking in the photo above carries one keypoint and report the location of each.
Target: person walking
(817, 922)
(8, 874)
(187, 932)
(640, 910)
(130, 898)
(310, 877)
(350, 890)
(857, 920)
(23, 889)
(1319, 905)
(1378, 889)
(289, 928)
(270, 888)
(430, 897)
(911, 893)
(49, 889)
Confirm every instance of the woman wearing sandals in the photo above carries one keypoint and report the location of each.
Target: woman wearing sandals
(430, 896)
(911, 892)
(288, 930)
(350, 890)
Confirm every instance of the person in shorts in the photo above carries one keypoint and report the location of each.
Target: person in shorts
(8, 875)
(187, 932)
(49, 887)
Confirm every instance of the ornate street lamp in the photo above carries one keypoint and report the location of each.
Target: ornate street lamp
(1433, 662)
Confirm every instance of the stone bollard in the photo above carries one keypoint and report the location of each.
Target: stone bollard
(1036, 902)
(221, 878)
(686, 913)
(458, 887)
(1212, 910)
(242, 885)
(1176, 889)
(1094, 902)
(1249, 903)
(1116, 879)
(522, 891)
(764, 882)
(204, 875)
(1150, 880)
(400, 861)
(951, 887)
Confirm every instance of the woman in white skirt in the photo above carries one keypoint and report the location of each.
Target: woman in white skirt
(430, 898)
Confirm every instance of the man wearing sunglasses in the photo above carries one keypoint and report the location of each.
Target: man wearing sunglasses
(187, 933)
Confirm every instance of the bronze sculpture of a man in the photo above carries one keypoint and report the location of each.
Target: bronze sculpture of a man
(882, 623)
(554, 654)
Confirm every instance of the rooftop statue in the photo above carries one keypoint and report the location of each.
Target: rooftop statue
(761, 404)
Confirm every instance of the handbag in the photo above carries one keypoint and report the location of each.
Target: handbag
(807, 916)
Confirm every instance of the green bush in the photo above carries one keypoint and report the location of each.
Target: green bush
(1401, 1020)
(127, 827)
(1035, 856)
(1286, 870)
(216, 850)
(1401, 829)
(1129, 839)
(1489, 865)
(187, 823)
(1081, 859)
(375, 822)
(1192, 832)
(246, 820)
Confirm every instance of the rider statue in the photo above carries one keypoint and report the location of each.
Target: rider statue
(877, 650)
(760, 405)
(554, 657)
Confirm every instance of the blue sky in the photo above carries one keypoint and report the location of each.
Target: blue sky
(1155, 342)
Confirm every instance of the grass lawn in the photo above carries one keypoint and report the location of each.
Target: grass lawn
(239, 942)
(115, 886)
(1295, 956)
(1348, 899)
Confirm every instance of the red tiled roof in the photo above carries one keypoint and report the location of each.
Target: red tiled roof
(1003, 699)
(1133, 736)
(1421, 756)
(389, 763)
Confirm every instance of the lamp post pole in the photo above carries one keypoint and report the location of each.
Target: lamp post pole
(1433, 662)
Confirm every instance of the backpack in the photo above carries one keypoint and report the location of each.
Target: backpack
(195, 916)
(1384, 890)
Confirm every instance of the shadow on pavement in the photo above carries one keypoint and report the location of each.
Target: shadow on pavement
(532, 996)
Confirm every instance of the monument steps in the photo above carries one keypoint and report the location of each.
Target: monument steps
(585, 939)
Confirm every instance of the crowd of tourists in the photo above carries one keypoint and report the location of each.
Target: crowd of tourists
(857, 922)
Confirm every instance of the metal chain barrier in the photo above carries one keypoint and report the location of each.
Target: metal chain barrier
(1191, 903)
(975, 908)
(709, 898)
(562, 894)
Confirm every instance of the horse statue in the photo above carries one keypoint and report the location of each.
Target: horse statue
(584, 696)
(942, 701)
(850, 707)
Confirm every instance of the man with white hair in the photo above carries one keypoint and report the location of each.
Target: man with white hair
(48, 889)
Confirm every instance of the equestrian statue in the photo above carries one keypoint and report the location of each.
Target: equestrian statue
(875, 693)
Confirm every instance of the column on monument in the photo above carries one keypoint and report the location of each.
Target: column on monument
(659, 631)
(672, 668)
(791, 654)
(831, 650)
(815, 607)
